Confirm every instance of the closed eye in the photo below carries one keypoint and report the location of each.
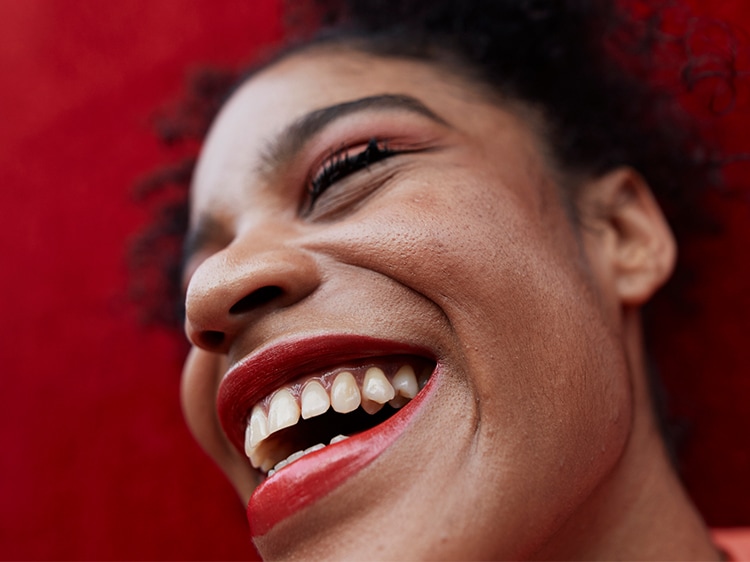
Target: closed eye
(345, 163)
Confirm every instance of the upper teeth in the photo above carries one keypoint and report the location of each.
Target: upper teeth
(344, 390)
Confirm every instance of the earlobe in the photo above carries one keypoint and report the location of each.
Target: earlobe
(631, 235)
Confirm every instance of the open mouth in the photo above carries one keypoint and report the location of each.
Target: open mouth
(311, 412)
(323, 408)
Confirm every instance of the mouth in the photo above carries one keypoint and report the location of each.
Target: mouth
(325, 408)
(310, 413)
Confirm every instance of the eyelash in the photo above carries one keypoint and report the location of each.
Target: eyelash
(343, 164)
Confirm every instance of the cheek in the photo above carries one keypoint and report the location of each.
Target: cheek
(200, 379)
(508, 274)
(532, 342)
(200, 375)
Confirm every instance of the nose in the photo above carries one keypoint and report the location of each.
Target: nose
(235, 287)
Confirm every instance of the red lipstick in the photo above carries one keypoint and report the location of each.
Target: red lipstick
(315, 475)
(310, 478)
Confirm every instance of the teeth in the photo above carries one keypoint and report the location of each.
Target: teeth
(293, 457)
(257, 429)
(315, 396)
(376, 386)
(345, 395)
(398, 402)
(314, 448)
(257, 459)
(314, 400)
(283, 411)
(405, 382)
(371, 407)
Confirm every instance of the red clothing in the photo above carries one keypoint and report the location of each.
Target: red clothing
(735, 543)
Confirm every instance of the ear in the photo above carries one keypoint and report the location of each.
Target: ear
(626, 236)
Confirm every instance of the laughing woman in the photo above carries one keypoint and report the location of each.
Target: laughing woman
(419, 247)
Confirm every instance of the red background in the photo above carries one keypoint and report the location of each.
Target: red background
(96, 462)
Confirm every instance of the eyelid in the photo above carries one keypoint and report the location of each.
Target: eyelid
(395, 145)
(291, 141)
(349, 198)
(345, 156)
(343, 148)
(334, 153)
(402, 132)
(399, 129)
(340, 165)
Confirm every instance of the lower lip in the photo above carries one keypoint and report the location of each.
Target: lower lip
(308, 479)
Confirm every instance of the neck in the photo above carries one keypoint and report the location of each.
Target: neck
(641, 511)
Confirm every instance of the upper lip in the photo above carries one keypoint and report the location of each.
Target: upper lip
(263, 371)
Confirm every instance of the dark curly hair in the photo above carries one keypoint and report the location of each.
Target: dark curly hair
(605, 76)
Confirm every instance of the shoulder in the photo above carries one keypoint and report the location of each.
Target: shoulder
(734, 542)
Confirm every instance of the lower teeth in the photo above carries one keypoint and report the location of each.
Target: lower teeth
(299, 454)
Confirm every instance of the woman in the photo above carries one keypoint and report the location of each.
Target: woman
(418, 253)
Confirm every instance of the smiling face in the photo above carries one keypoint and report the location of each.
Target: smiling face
(356, 220)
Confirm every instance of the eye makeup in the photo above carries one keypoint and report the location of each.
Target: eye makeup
(344, 163)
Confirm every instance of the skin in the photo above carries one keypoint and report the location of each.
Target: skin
(540, 441)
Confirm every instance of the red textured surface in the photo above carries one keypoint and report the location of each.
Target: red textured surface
(704, 351)
(96, 462)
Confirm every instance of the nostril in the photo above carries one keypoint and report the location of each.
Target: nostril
(212, 338)
(257, 298)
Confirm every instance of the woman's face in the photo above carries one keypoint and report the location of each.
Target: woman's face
(435, 241)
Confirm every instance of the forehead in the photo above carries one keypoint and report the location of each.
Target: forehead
(273, 99)
(325, 76)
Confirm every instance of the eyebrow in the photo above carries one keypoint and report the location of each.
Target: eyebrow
(291, 140)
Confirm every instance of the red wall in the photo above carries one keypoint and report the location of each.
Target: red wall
(96, 462)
